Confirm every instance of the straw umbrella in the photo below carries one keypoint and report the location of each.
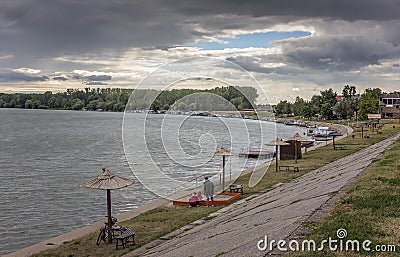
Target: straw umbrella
(296, 138)
(108, 181)
(223, 152)
(277, 142)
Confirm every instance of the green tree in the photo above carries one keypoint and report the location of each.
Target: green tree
(328, 101)
(299, 106)
(28, 104)
(283, 108)
(369, 102)
(36, 104)
(77, 104)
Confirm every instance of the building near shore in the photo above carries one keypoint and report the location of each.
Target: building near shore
(389, 105)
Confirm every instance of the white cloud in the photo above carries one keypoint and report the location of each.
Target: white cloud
(26, 70)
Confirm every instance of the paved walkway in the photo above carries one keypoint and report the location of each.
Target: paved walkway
(277, 213)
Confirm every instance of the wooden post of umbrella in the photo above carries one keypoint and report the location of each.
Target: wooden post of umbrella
(276, 158)
(108, 181)
(223, 152)
(109, 219)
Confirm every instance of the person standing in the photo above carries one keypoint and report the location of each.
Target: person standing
(209, 191)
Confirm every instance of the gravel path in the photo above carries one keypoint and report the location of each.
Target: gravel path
(278, 213)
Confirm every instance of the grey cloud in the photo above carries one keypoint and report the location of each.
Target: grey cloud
(336, 9)
(91, 78)
(11, 76)
(350, 34)
(98, 77)
(59, 78)
(341, 53)
(54, 27)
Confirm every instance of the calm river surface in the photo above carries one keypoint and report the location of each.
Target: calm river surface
(45, 156)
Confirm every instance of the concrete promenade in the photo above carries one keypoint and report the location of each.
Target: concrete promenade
(278, 213)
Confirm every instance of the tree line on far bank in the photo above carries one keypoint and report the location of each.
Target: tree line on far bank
(115, 99)
(108, 99)
(327, 105)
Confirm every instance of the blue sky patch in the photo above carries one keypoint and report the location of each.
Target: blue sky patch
(248, 40)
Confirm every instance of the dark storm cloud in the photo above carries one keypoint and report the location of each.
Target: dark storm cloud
(344, 48)
(335, 9)
(55, 27)
(349, 34)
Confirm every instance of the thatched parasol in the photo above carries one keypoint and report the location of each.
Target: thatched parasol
(277, 142)
(223, 152)
(297, 137)
(108, 181)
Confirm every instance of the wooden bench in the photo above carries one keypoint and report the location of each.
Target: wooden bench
(127, 236)
(236, 188)
(287, 167)
(339, 147)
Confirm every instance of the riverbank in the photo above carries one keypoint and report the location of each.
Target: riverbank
(308, 163)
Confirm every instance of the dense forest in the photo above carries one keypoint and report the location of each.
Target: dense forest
(115, 99)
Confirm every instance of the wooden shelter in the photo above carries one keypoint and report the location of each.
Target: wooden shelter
(277, 143)
(293, 151)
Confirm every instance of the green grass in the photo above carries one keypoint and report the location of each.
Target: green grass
(163, 220)
(148, 227)
(369, 211)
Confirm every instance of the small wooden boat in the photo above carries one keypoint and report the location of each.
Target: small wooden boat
(257, 154)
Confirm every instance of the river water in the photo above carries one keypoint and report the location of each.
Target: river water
(45, 155)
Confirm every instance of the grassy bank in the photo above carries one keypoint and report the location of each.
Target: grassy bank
(369, 211)
(160, 221)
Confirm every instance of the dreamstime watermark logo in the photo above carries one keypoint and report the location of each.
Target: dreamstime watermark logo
(340, 243)
(168, 143)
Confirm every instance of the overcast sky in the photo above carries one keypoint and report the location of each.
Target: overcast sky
(295, 47)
